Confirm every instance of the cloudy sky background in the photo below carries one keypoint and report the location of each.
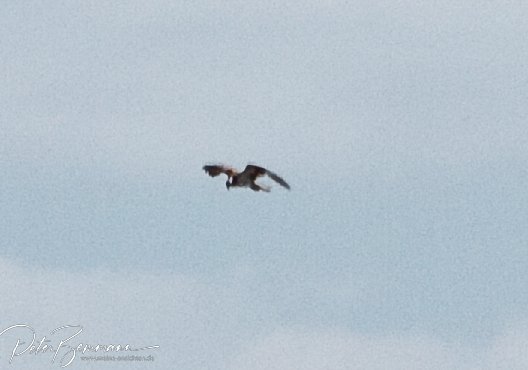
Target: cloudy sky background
(401, 127)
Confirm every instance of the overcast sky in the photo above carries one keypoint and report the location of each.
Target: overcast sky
(401, 127)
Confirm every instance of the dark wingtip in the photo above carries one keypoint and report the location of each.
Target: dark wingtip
(207, 170)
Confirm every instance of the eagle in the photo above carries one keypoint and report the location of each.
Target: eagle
(245, 178)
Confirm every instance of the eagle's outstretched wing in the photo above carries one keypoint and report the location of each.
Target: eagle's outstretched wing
(278, 179)
(253, 172)
(216, 169)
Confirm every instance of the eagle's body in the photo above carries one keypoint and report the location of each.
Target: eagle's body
(245, 178)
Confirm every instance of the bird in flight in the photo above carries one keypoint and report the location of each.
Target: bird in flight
(245, 178)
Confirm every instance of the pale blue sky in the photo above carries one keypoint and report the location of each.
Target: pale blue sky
(401, 127)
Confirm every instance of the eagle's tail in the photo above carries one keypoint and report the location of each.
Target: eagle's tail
(256, 187)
